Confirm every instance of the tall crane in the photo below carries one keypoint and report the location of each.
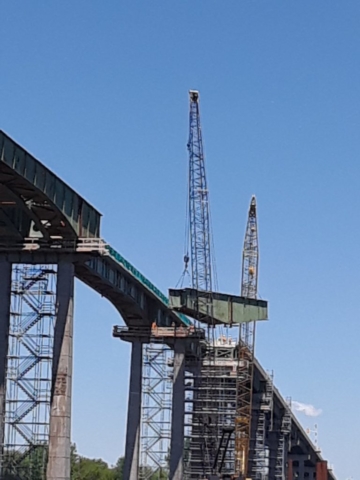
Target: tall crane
(245, 368)
(200, 241)
(198, 205)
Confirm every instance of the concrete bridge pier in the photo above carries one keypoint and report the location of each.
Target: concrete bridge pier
(132, 445)
(5, 297)
(178, 413)
(58, 467)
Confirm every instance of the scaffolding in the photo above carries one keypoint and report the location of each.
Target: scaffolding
(29, 370)
(210, 407)
(260, 462)
(285, 430)
(156, 411)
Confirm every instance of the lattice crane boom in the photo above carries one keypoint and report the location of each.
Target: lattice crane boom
(249, 280)
(199, 216)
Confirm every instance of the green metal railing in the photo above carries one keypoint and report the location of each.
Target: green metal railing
(144, 281)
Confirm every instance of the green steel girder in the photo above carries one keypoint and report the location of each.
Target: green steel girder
(58, 208)
(226, 309)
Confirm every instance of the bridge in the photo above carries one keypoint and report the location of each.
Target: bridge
(49, 235)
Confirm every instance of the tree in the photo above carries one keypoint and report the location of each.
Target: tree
(83, 468)
(29, 465)
(119, 469)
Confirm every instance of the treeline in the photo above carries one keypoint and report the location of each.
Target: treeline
(82, 468)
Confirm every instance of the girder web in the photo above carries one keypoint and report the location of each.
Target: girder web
(156, 412)
(29, 370)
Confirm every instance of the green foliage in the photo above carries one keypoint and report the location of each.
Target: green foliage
(119, 469)
(88, 469)
(29, 466)
(32, 466)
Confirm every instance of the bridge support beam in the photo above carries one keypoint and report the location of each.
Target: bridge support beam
(178, 413)
(58, 467)
(132, 445)
(5, 297)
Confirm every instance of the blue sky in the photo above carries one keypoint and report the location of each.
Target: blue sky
(98, 92)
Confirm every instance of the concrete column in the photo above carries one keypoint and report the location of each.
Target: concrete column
(132, 445)
(5, 297)
(321, 471)
(178, 413)
(58, 467)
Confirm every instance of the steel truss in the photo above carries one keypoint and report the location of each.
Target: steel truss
(29, 370)
(156, 408)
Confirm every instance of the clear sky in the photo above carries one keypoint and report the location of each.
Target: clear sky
(98, 92)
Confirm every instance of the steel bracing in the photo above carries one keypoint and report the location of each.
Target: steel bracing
(156, 411)
(29, 370)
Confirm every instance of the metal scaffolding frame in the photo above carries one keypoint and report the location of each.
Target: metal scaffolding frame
(29, 370)
(210, 402)
(260, 462)
(281, 452)
(156, 409)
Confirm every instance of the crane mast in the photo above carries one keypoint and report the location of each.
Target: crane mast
(246, 346)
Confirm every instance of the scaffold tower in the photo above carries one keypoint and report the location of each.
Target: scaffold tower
(212, 399)
(283, 439)
(156, 411)
(263, 423)
(29, 370)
